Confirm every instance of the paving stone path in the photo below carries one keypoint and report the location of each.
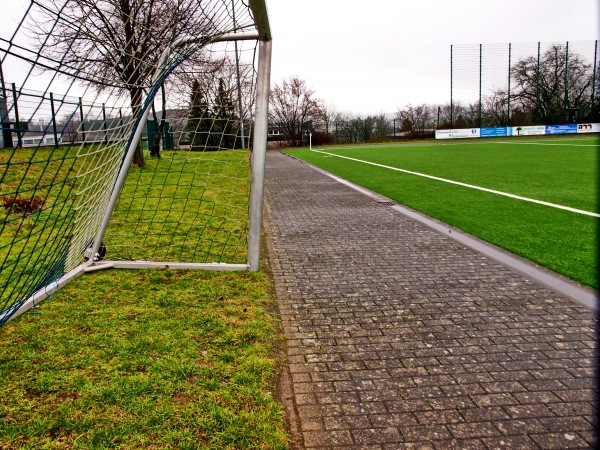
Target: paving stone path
(399, 337)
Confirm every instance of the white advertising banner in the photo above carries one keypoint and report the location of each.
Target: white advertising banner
(588, 128)
(457, 134)
(534, 130)
(529, 131)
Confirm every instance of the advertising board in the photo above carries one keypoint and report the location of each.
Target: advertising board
(588, 128)
(534, 130)
(561, 129)
(457, 133)
(493, 132)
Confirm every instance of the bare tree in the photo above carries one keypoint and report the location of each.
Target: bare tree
(354, 128)
(560, 90)
(416, 120)
(466, 116)
(442, 117)
(293, 105)
(68, 127)
(364, 127)
(381, 127)
(495, 109)
(117, 43)
(159, 123)
(344, 127)
(327, 115)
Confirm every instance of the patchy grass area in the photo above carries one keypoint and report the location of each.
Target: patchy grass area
(135, 359)
(144, 359)
(562, 171)
(185, 207)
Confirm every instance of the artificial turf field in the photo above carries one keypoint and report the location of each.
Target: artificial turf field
(560, 171)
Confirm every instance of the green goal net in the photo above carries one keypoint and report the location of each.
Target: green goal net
(133, 135)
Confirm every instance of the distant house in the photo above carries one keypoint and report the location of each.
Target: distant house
(31, 140)
(34, 135)
(274, 133)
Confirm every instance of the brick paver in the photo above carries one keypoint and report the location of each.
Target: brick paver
(399, 337)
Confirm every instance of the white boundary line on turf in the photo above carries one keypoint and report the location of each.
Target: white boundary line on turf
(557, 283)
(472, 186)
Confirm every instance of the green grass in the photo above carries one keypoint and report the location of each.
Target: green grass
(186, 206)
(139, 359)
(561, 171)
(33, 244)
(144, 359)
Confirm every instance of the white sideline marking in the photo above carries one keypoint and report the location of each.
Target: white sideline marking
(479, 188)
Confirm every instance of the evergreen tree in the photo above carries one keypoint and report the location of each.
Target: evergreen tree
(226, 122)
(199, 120)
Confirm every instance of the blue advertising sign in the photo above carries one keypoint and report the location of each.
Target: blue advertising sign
(561, 129)
(493, 132)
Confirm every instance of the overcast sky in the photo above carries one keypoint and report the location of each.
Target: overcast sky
(374, 56)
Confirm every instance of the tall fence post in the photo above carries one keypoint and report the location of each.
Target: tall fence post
(594, 113)
(508, 91)
(104, 127)
(52, 110)
(6, 134)
(451, 88)
(17, 121)
(536, 114)
(82, 119)
(121, 122)
(480, 80)
(4, 120)
(566, 117)
(2, 85)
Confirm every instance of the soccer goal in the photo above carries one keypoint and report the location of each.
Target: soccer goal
(133, 136)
